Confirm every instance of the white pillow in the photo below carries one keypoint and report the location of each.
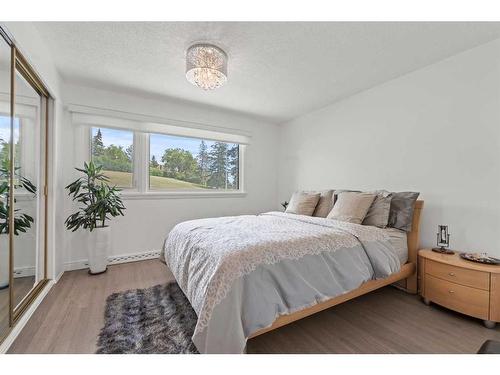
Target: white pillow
(351, 207)
(302, 203)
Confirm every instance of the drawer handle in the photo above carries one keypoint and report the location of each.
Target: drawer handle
(451, 291)
(451, 274)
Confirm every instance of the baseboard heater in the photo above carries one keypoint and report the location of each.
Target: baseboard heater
(115, 259)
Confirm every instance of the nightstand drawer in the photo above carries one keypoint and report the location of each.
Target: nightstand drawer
(464, 276)
(464, 299)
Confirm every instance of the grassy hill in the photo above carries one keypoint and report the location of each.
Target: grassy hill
(125, 179)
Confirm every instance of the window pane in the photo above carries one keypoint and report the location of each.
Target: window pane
(4, 139)
(114, 150)
(18, 155)
(181, 163)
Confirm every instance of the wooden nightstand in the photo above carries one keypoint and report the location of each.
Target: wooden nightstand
(467, 287)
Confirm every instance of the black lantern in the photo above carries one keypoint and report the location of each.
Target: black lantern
(443, 240)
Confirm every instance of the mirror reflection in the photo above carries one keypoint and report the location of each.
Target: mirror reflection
(28, 260)
(4, 183)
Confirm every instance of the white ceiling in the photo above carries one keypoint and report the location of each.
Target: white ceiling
(277, 71)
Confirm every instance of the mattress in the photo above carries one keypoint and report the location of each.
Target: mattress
(399, 241)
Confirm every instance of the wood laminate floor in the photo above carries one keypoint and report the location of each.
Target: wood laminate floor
(384, 321)
(4, 310)
(22, 286)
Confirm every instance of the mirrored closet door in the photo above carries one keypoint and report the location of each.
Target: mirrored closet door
(23, 170)
(5, 125)
(29, 182)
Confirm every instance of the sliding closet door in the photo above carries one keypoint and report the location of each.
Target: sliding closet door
(28, 234)
(24, 104)
(29, 174)
(5, 133)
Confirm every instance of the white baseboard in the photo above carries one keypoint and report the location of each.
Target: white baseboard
(24, 271)
(25, 318)
(115, 259)
(58, 277)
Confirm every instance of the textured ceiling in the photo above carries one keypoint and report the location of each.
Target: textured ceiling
(277, 71)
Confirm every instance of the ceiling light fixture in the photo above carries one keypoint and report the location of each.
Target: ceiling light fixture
(206, 66)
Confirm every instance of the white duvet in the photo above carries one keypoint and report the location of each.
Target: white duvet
(239, 273)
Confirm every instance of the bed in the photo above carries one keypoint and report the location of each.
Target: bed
(247, 275)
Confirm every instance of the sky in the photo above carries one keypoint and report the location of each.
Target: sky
(115, 137)
(158, 142)
(5, 128)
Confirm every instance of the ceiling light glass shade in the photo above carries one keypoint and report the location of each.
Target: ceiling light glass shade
(206, 66)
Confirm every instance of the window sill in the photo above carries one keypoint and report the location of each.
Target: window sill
(180, 195)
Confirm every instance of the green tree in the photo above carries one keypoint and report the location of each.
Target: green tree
(233, 155)
(203, 159)
(154, 167)
(97, 144)
(153, 163)
(5, 144)
(114, 158)
(5, 153)
(218, 165)
(180, 164)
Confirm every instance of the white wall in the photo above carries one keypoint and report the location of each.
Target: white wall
(436, 131)
(32, 46)
(147, 221)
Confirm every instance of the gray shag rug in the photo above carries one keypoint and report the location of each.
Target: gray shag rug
(148, 321)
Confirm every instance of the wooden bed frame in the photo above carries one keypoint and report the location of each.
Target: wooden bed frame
(405, 279)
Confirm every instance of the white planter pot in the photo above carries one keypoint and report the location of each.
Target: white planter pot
(4, 260)
(99, 244)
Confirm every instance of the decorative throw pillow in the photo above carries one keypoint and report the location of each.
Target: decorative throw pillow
(378, 214)
(325, 204)
(401, 214)
(338, 191)
(302, 203)
(351, 207)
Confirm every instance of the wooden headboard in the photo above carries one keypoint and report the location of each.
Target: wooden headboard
(413, 238)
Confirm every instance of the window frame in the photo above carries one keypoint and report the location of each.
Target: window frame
(140, 162)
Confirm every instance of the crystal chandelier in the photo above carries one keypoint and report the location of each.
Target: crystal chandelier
(206, 66)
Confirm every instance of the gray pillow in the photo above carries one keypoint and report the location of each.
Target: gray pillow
(378, 214)
(401, 214)
(325, 204)
(302, 203)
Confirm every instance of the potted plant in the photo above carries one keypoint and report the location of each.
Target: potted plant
(22, 221)
(98, 203)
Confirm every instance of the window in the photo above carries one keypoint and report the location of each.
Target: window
(4, 142)
(145, 161)
(4, 139)
(114, 151)
(182, 163)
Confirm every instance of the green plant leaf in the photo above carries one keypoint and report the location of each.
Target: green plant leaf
(98, 201)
